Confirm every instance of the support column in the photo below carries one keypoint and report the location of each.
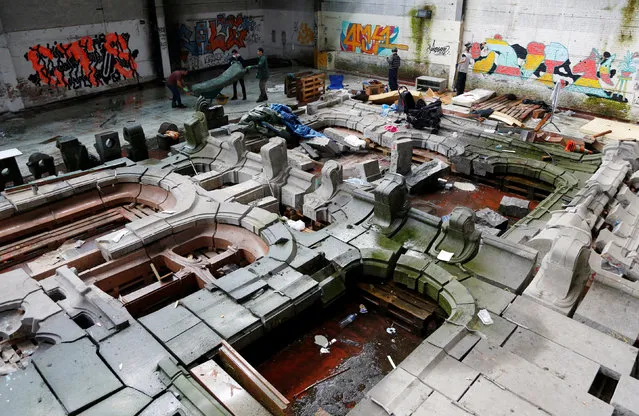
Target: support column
(8, 76)
(164, 43)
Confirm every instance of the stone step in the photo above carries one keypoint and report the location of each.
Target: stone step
(616, 357)
(532, 383)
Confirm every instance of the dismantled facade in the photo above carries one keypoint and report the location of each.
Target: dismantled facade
(175, 280)
(186, 259)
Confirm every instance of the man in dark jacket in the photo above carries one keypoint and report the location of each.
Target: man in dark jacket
(262, 74)
(236, 57)
(393, 67)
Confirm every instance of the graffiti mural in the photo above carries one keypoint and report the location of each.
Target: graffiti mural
(368, 39)
(87, 62)
(216, 37)
(597, 75)
(305, 35)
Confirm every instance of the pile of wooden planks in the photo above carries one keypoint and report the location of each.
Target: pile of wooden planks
(513, 108)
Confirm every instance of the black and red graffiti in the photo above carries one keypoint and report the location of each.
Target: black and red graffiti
(86, 62)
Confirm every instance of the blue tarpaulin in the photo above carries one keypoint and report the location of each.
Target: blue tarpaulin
(293, 122)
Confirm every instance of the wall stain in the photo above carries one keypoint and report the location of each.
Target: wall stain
(628, 12)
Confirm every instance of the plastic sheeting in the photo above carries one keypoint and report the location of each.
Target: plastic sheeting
(291, 121)
(212, 88)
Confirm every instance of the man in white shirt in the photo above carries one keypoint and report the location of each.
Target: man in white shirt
(462, 70)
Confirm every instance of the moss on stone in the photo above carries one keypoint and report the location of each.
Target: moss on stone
(606, 107)
(420, 31)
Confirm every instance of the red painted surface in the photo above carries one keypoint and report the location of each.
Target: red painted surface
(443, 201)
(361, 346)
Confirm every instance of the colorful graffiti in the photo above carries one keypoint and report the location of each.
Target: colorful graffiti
(548, 64)
(224, 33)
(87, 62)
(368, 39)
(305, 35)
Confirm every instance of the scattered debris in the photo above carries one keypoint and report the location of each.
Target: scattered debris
(321, 340)
(298, 225)
(348, 320)
(391, 330)
(391, 362)
(465, 186)
(324, 351)
(485, 317)
(113, 237)
(362, 309)
(445, 255)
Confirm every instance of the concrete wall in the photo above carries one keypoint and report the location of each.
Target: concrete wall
(364, 32)
(530, 46)
(202, 33)
(50, 51)
(290, 29)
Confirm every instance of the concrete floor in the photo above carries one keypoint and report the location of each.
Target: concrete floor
(150, 106)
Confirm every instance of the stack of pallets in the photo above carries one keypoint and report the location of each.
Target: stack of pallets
(310, 88)
(513, 108)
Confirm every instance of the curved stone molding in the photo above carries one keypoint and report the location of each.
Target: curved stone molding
(458, 236)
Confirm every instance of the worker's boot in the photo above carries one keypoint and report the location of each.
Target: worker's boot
(234, 97)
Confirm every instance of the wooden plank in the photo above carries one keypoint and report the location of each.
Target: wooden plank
(506, 119)
(527, 113)
(252, 381)
(619, 130)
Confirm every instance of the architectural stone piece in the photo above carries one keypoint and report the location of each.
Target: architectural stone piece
(133, 354)
(611, 311)
(196, 132)
(315, 203)
(626, 400)
(137, 141)
(274, 158)
(127, 401)
(449, 376)
(579, 372)
(401, 157)
(514, 207)
(439, 405)
(88, 301)
(391, 202)
(490, 218)
(392, 392)
(425, 176)
(532, 383)
(503, 263)
(76, 374)
(369, 170)
(488, 296)
(107, 145)
(458, 236)
(485, 398)
(25, 393)
(616, 357)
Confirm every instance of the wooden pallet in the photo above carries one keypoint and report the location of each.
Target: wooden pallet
(290, 83)
(409, 310)
(310, 88)
(513, 108)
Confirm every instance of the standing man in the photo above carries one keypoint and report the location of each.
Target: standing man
(462, 70)
(393, 67)
(176, 80)
(237, 58)
(262, 74)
